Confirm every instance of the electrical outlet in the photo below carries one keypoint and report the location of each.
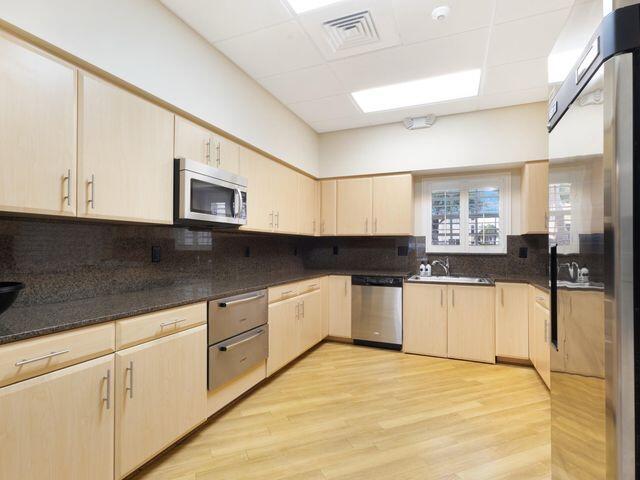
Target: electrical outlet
(155, 254)
(335, 250)
(403, 251)
(247, 251)
(524, 252)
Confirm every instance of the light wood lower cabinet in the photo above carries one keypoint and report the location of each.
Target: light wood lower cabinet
(310, 318)
(512, 320)
(37, 131)
(324, 292)
(471, 323)
(283, 332)
(541, 343)
(160, 394)
(59, 425)
(125, 155)
(340, 306)
(425, 319)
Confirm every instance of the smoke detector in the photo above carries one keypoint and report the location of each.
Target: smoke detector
(414, 123)
(440, 13)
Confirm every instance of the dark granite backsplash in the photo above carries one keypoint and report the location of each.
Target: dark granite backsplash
(70, 260)
(63, 260)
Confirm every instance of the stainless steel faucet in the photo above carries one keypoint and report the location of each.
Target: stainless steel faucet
(444, 265)
(573, 268)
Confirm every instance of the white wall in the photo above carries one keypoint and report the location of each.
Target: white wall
(143, 43)
(490, 137)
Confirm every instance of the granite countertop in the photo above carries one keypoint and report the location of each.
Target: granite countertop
(22, 322)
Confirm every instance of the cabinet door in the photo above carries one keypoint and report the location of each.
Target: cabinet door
(310, 319)
(283, 334)
(307, 205)
(584, 333)
(37, 131)
(535, 197)
(192, 141)
(542, 334)
(125, 155)
(324, 291)
(471, 325)
(340, 306)
(161, 394)
(531, 330)
(328, 206)
(354, 206)
(225, 154)
(393, 205)
(512, 320)
(260, 198)
(424, 328)
(285, 187)
(59, 426)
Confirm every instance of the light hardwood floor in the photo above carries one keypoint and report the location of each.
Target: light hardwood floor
(347, 412)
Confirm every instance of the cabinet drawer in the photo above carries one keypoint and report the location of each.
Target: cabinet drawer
(135, 330)
(307, 286)
(541, 298)
(282, 292)
(29, 358)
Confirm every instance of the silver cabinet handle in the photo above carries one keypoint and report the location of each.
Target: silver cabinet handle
(226, 348)
(453, 297)
(441, 297)
(297, 311)
(129, 370)
(67, 179)
(46, 356)
(345, 288)
(302, 311)
(546, 331)
(92, 200)
(502, 296)
(172, 322)
(218, 154)
(322, 226)
(282, 294)
(242, 300)
(271, 219)
(207, 154)
(107, 398)
(277, 218)
(314, 226)
(540, 299)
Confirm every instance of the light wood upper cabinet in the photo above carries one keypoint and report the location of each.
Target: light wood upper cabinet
(125, 155)
(37, 131)
(393, 205)
(328, 207)
(535, 197)
(354, 206)
(257, 169)
(425, 319)
(471, 323)
(160, 394)
(59, 425)
(308, 208)
(284, 188)
(197, 143)
(512, 320)
(340, 306)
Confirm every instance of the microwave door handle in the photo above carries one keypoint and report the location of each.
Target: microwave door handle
(238, 205)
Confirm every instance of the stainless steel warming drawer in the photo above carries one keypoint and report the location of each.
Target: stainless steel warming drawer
(238, 336)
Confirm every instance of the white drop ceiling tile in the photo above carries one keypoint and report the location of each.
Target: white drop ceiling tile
(278, 49)
(531, 37)
(508, 10)
(334, 124)
(516, 76)
(532, 95)
(375, 29)
(398, 64)
(304, 84)
(416, 24)
(222, 19)
(325, 108)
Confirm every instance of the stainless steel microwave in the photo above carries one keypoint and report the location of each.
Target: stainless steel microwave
(208, 195)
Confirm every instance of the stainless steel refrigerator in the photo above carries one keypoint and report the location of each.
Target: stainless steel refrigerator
(594, 186)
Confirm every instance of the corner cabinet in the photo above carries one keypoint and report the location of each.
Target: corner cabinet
(471, 323)
(125, 155)
(60, 425)
(535, 197)
(37, 131)
(160, 394)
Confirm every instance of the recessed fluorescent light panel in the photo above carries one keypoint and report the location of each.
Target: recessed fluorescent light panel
(301, 6)
(419, 92)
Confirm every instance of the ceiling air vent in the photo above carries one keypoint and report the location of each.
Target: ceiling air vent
(351, 31)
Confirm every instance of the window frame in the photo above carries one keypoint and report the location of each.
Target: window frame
(464, 184)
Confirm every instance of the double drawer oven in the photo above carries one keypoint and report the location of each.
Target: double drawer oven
(238, 336)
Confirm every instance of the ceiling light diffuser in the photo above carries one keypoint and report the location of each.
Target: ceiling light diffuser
(419, 92)
(301, 6)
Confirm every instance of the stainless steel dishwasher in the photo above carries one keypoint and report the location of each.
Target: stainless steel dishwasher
(376, 311)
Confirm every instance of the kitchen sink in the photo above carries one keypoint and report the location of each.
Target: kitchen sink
(581, 285)
(451, 279)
